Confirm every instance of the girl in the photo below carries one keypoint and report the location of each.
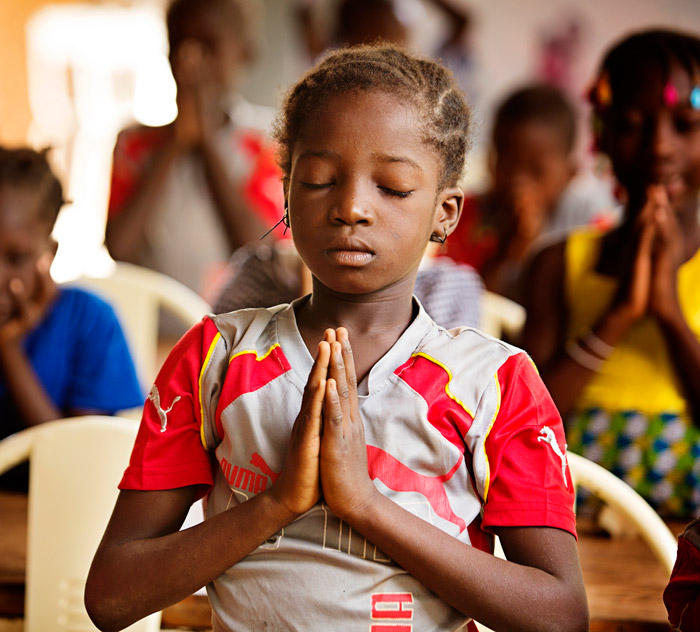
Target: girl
(359, 488)
(614, 318)
(61, 350)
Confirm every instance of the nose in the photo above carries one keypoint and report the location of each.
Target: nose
(352, 205)
(662, 136)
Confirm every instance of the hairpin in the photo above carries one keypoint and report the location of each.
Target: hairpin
(695, 94)
(670, 95)
(603, 91)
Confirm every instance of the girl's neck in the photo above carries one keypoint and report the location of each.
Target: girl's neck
(374, 321)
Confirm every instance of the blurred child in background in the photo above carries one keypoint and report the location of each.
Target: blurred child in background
(613, 317)
(531, 195)
(186, 195)
(62, 351)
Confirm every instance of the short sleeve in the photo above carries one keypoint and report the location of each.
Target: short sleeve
(529, 479)
(168, 452)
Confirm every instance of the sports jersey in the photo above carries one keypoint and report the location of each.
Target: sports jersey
(460, 431)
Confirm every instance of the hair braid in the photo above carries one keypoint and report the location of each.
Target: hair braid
(387, 68)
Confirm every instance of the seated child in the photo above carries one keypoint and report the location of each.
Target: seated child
(532, 195)
(613, 321)
(357, 459)
(62, 351)
(185, 196)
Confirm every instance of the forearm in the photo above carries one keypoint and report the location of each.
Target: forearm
(241, 223)
(125, 232)
(570, 369)
(133, 578)
(684, 354)
(475, 582)
(27, 392)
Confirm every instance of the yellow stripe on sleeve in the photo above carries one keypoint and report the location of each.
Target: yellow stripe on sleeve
(205, 364)
(486, 436)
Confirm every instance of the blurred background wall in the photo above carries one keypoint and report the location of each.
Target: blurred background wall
(73, 74)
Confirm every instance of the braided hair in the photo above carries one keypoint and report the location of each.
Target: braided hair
(25, 168)
(387, 68)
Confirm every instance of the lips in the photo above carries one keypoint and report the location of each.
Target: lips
(349, 253)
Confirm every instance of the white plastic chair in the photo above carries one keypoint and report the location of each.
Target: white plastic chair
(620, 497)
(501, 316)
(137, 295)
(75, 465)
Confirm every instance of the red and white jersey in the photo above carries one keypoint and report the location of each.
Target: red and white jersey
(460, 431)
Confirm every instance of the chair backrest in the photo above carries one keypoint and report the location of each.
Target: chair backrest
(75, 465)
(501, 316)
(137, 295)
(620, 497)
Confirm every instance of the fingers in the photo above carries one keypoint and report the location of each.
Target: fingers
(350, 374)
(319, 371)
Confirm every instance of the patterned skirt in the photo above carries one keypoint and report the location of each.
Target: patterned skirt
(658, 456)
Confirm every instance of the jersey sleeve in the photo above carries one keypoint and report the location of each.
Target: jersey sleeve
(529, 483)
(168, 452)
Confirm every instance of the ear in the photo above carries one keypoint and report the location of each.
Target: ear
(447, 210)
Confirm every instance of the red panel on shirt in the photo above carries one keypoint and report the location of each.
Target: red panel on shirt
(530, 483)
(431, 381)
(168, 452)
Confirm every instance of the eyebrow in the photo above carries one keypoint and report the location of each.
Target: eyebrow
(388, 158)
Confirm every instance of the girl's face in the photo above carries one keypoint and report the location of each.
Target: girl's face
(651, 140)
(24, 238)
(363, 193)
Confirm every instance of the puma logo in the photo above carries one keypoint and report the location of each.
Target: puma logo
(548, 437)
(154, 396)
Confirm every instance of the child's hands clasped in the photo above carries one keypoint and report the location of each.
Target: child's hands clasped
(344, 479)
(327, 450)
(659, 253)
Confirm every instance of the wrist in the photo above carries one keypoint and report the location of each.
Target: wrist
(277, 510)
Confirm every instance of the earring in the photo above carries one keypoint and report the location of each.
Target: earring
(437, 239)
(284, 220)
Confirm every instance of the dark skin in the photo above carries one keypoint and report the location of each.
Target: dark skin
(206, 65)
(345, 202)
(655, 151)
(26, 294)
(531, 167)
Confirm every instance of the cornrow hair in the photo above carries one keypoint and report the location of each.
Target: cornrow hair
(387, 68)
(240, 14)
(538, 103)
(630, 58)
(25, 168)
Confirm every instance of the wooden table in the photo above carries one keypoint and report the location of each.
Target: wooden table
(623, 579)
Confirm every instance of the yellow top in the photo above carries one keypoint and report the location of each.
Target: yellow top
(638, 375)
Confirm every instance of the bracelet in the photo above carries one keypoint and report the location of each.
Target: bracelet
(579, 355)
(598, 346)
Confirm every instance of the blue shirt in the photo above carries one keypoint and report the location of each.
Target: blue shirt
(81, 357)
